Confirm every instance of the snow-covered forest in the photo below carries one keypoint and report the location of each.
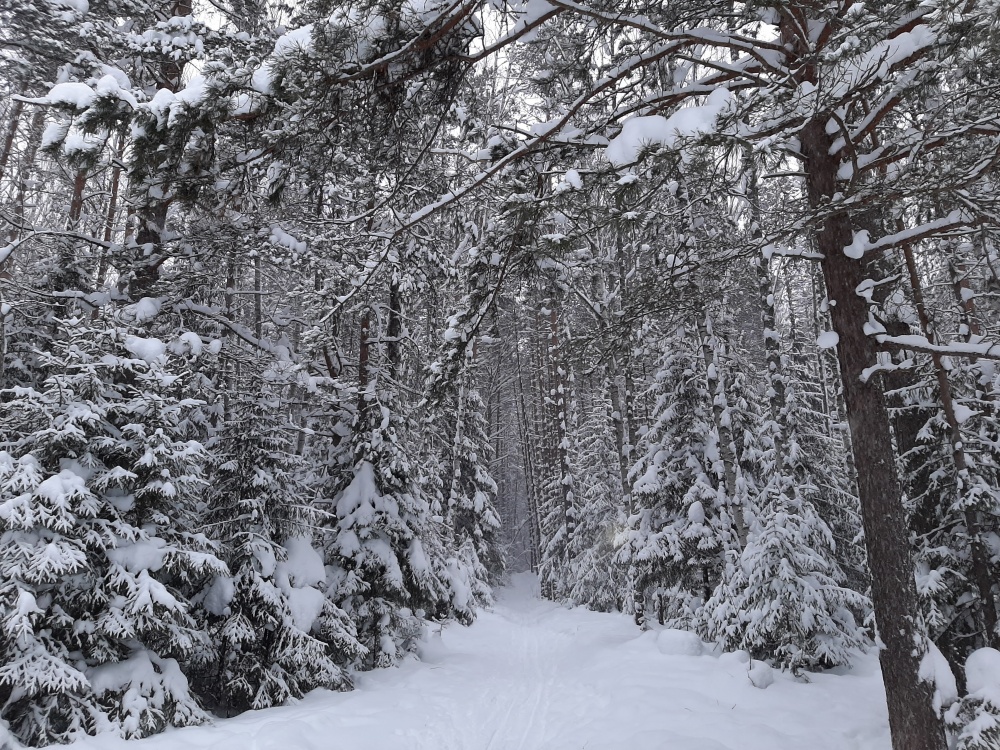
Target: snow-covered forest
(318, 318)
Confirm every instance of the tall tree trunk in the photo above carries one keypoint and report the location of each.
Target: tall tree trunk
(13, 122)
(394, 329)
(711, 349)
(364, 355)
(464, 378)
(230, 375)
(148, 249)
(560, 407)
(26, 169)
(258, 317)
(775, 372)
(528, 456)
(912, 719)
(111, 214)
(76, 201)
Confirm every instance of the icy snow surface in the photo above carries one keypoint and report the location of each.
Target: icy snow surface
(532, 675)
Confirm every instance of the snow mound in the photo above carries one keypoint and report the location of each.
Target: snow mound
(828, 340)
(297, 577)
(679, 643)
(982, 673)
(935, 670)
(761, 675)
(735, 658)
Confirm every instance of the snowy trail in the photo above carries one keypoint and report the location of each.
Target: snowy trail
(535, 676)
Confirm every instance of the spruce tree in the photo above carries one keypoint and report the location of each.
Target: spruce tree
(471, 509)
(267, 624)
(387, 575)
(101, 546)
(680, 527)
(596, 581)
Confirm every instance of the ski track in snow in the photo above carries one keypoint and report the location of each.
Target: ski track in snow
(532, 675)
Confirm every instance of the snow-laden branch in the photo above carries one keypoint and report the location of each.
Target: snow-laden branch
(767, 54)
(8, 250)
(953, 221)
(964, 349)
(240, 331)
(543, 133)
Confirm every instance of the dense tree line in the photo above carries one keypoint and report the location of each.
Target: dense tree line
(314, 316)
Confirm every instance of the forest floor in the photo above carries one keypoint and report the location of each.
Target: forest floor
(532, 675)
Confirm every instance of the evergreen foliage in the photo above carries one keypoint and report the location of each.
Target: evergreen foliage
(272, 645)
(101, 543)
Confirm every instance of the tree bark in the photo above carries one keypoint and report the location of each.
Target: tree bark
(364, 353)
(557, 380)
(76, 202)
(155, 204)
(109, 220)
(25, 170)
(258, 317)
(528, 456)
(912, 720)
(394, 330)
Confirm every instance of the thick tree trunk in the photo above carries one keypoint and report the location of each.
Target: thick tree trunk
(148, 250)
(76, 202)
(912, 719)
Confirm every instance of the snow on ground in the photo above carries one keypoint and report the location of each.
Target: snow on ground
(532, 675)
